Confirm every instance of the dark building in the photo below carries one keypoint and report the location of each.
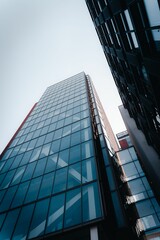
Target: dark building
(129, 31)
(57, 178)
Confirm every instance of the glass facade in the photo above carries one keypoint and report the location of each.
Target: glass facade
(138, 193)
(129, 32)
(48, 178)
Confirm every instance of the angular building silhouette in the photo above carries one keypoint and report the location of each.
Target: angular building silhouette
(61, 178)
(56, 174)
(129, 32)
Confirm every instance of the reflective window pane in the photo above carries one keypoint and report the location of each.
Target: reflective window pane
(46, 186)
(63, 158)
(26, 158)
(8, 178)
(29, 171)
(39, 219)
(33, 190)
(56, 211)
(73, 208)
(6, 202)
(23, 223)
(20, 194)
(65, 142)
(91, 202)
(51, 163)
(75, 154)
(60, 180)
(18, 175)
(87, 150)
(35, 154)
(88, 170)
(45, 151)
(75, 138)
(9, 224)
(55, 147)
(74, 175)
(40, 167)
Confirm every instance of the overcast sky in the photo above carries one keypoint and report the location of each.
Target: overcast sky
(41, 43)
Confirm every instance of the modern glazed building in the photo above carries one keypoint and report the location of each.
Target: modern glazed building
(129, 31)
(56, 178)
(62, 175)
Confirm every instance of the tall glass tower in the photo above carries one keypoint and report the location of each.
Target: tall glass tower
(56, 178)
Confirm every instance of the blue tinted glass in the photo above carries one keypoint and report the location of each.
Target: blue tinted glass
(76, 126)
(85, 123)
(60, 180)
(29, 136)
(60, 124)
(20, 194)
(66, 130)
(2, 177)
(2, 217)
(29, 171)
(63, 158)
(76, 117)
(46, 186)
(40, 141)
(85, 134)
(33, 190)
(49, 137)
(17, 161)
(73, 208)
(91, 202)
(44, 130)
(58, 134)
(52, 127)
(26, 158)
(74, 175)
(39, 219)
(51, 163)
(111, 179)
(2, 194)
(87, 149)
(18, 175)
(55, 146)
(56, 211)
(22, 225)
(45, 150)
(15, 151)
(35, 154)
(105, 156)
(75, 154)
(88, 170)
(8, 178)
(2, 164)
(65, 142)
(23, 148)
(32, 144)
(8, 198)
(36, 133)
(7, 165)
(68, 120)
(7, 154)
(75, 138)
(9, 224)
(40, 167)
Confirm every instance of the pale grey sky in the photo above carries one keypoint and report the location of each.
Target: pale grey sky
(41, 43)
